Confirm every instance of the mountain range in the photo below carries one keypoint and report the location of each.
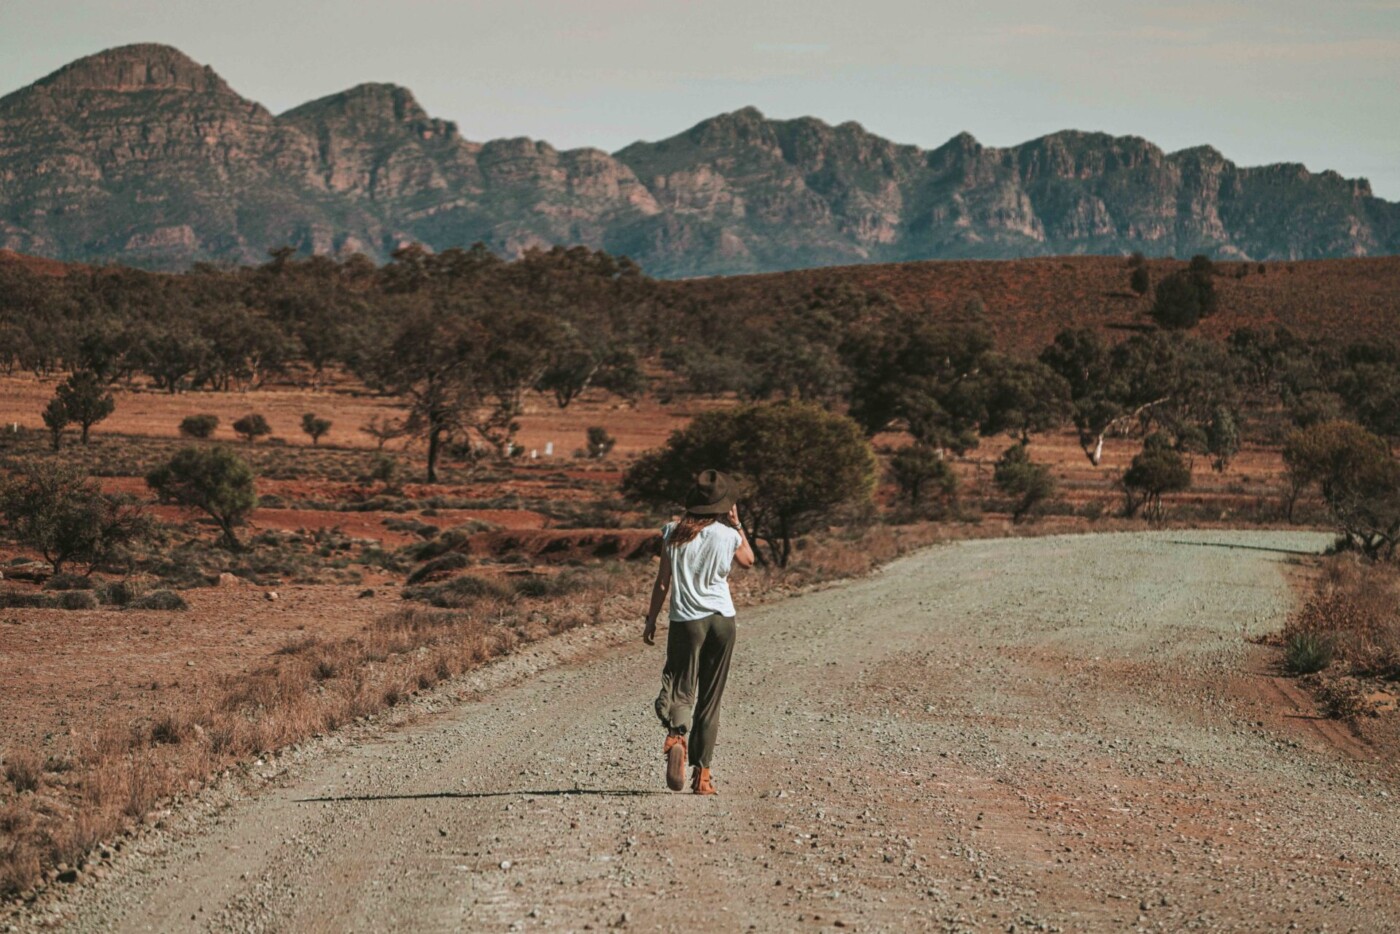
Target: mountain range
(142, 156)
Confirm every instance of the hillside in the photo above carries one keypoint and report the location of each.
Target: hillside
(141, 155)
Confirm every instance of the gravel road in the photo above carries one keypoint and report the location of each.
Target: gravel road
(1028, 734)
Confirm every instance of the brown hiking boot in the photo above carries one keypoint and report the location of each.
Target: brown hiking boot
(675, 751)
(701, 783)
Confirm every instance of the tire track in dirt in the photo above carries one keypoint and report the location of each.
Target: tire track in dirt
(989, 735)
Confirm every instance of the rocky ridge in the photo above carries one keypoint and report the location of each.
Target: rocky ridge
(141, 155)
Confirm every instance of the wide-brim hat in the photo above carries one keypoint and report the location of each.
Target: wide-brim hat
(713, 494)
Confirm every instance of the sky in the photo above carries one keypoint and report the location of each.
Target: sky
(1316, 82)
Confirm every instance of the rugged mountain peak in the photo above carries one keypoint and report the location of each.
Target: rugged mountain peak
(745, 126)
(134, 68)
(370, 109)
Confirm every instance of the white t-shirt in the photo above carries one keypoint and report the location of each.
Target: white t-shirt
(700, 572)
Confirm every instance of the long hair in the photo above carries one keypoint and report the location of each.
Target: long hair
(690, 526)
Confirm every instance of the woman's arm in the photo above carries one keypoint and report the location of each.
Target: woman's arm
(744, 555)
(659, 590)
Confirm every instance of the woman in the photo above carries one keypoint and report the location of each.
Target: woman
(697, 553)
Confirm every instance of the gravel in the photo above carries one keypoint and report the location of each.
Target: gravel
(1060, 733)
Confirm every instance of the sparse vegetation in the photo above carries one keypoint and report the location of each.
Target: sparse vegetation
(56, 510)
(213, 480)
(251, 427)
(1029, 484)
(315, 427)
(199, 426)
(796, 463)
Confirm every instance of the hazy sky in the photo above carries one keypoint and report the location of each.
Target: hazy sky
(1316, 82)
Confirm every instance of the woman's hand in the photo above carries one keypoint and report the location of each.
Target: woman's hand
(732, 519)
(649, 631)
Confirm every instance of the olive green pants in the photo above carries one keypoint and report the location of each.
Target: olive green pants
(692, 683)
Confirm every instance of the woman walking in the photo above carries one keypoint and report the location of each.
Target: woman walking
(697, 554)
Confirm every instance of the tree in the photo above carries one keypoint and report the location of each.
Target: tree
(1222, 438)
(921, 474)
(1358, 478)
(1028, 483)
(199, 426)
(600, 443)
(1183, 298)
(66, 517)
(1021, 397)
(56, 418)
(1176, 302)
(213, 480)
(794, 462)
(907, 370)
(1156, 471)
(85, 399)
(1082, 358)
(315, 427)
(1140, 281)
(251, 427)
(428, 359)
(383, 429)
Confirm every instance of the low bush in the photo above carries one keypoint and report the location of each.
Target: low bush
(1355, 606)
(12, 599)
(199, 426)
(23, 770)
(116, 593)
(77, 600)
(159, 600)
(436, 567)
(1307, 652)
(1341, 698)
(66, 581)
(458, 593)
(540, 586)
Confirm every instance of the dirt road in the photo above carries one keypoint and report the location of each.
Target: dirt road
(1034, 734)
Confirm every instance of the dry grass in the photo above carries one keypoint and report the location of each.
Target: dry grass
(23, 770)
(120, 774)
(1355, 605)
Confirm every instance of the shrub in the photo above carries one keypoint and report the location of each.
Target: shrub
(543, 586)
(199, 426)
(66, 581)
(922, 474)
(27, 600)
(159, 600)
(1342, 699)
(23, 769)
(794, 463)
(315, 427)
(458, 593)
(1358, 478)
(1307, 652)
(52, 507)
(1140, 280)
(1156, 471)
(252, 427)
(435, 567)
(85, 399)
(116, 593)
(77, 600)
(213, 480)
(1029, 483)
(600, 443)
(1183, 298)
(56, 419)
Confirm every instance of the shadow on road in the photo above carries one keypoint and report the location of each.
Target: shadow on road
(547, 792)
(1231, 545)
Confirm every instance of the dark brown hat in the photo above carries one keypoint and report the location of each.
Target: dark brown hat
(712, 495)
